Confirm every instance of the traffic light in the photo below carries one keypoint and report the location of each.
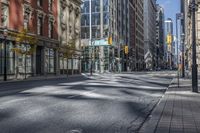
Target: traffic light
(169, 39)
(110, 40)
(126, 49)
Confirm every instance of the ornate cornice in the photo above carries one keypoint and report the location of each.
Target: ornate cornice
(7, 2)
(71, 7)
(28, 8)
(51, 18)
(76, 2)
(77, 11)
(40, 13)
(63, 3)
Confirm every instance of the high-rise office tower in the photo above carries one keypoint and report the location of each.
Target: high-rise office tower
(136, 35)
(121, 20)
(160, 40)
(150, 33)
(98, 51)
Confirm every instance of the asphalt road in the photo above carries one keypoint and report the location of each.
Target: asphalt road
(109, 103)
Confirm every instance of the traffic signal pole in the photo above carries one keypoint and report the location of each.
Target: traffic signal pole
(177, 50)
(194, 63)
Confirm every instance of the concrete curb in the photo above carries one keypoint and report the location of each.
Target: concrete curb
(40, 78)
(148, 126)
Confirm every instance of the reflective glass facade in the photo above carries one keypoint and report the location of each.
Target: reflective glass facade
(50, 60)
(100, 16)
(10, 58)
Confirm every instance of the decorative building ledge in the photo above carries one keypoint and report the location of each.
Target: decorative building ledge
(7, 2)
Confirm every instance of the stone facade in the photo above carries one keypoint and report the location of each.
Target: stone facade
(70, 29)
(188, 36)
(70, 21)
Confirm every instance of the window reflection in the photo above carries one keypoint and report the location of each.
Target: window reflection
(10, 58)
(50, 60)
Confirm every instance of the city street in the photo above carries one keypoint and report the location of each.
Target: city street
(107, 103)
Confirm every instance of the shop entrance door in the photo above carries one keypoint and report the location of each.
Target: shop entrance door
(38, 60)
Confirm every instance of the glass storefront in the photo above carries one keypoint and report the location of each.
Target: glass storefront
(63, 65)
(24, 61)
(50, 60)
(10, 58)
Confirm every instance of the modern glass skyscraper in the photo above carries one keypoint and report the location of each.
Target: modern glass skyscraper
(99, 53)
(100, 19)
(122, 20)
(160, 37)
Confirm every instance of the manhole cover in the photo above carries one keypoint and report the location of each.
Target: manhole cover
(75, 131)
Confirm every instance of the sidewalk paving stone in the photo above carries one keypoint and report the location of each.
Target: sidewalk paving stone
(177, 112)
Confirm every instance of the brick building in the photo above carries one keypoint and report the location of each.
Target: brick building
(136, 43)
(42, 21)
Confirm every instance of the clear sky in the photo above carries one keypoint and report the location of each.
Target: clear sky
(171, 7)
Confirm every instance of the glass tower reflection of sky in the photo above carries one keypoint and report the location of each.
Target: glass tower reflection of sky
(96, 18)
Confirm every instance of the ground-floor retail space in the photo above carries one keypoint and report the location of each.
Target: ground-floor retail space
(97, 59)
(43, 61)
(110, 59)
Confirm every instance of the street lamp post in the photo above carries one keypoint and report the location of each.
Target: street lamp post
(91, 58)
(5, 55)
(183, 55)
(90, 41)
(177, 17)
(194, 63)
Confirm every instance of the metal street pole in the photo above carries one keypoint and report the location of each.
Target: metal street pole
(25, 62)
(183, 36)
(177, 49)
(194, 64)
(90, 12)
(5, 55)
(183, 56)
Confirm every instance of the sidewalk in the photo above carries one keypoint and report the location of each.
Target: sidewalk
(40, 78)
(177, 112)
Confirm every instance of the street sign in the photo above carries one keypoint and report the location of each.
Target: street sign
(101, 42)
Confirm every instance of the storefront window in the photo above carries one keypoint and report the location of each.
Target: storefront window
(50, 60)
(22, 64)
(9, 58)
(63, 63)
(1, 58)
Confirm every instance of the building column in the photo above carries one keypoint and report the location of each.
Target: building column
(34, 63)
(101, 59)
(16, 65)
(43, 62)
(57, 62)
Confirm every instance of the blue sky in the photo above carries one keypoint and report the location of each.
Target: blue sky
(171, 7)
